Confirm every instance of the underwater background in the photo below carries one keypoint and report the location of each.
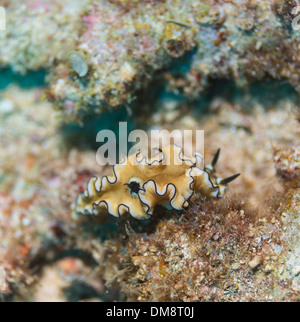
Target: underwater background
(69, 69)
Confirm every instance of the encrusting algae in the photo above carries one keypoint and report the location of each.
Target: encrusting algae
(139, 184)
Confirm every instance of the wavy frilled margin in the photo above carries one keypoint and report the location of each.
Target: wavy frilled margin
(139, 184)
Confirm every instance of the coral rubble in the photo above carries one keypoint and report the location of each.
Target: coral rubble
(217, 251)
(126, 43)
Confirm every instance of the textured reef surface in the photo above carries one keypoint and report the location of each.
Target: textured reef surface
(242, 247)
(123, 46)
(230, 68)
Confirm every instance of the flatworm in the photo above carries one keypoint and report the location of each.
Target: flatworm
(139, 184)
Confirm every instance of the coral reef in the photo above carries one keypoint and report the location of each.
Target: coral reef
(244, 247)
(240, 248)
(228, 68)
(125, 43)
(33, 209)
(217, 251)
